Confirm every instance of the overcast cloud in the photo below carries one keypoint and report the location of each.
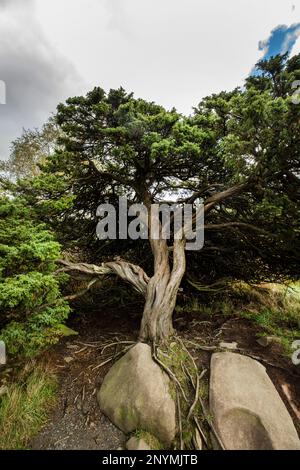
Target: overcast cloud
(171, 51)
(37, 77)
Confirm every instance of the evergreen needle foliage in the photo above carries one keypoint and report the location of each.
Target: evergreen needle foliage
(31, 305)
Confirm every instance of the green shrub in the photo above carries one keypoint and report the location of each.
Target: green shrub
(31, 305)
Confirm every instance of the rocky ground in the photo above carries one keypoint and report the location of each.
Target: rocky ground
(82, 361)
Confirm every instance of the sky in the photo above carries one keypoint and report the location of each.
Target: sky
(173, 52)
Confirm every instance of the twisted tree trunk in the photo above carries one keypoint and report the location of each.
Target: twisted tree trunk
(162, 292)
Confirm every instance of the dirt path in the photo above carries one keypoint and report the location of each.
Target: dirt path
(77, 422)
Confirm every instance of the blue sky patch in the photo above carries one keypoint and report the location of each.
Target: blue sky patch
(281, 40)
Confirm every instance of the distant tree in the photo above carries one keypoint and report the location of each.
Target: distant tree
(31, 150)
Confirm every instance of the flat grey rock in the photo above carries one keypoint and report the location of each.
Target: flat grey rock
(268, 341)
(225, 345)
(247, 410)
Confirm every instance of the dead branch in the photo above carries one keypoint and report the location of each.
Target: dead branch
(111, 358)
(221, 196)
(129, 272)
(83, 291)
(103, 363)
(201, 431)
(236, 224)
(115, 344)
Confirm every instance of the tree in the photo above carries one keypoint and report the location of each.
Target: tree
(129, 146)
(257, 133)
(238, 154)
(30, 150)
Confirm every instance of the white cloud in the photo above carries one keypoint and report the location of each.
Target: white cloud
(289, 39)
(171, 51)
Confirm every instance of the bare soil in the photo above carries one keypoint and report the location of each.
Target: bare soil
(77, 422)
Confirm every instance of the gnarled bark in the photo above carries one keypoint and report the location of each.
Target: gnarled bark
(129, 272)
(162, 294)
(160, 291)
(163, 286)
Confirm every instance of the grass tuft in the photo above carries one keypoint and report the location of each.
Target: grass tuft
(24, 408)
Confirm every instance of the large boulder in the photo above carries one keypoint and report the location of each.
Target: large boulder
(247, 410)
(135, 394)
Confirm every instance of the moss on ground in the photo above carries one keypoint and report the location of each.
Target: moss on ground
(151, 440)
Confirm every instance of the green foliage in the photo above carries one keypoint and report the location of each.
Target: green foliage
(24, 408)
(257, 137)
(32, 308)
(112, 144)
(279, 315)
(275, 308)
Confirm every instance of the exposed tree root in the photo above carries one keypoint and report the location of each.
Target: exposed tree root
(113, 357)
(201, 431)
(241, 351)
(198, 397)
(198, 378)
(168, 371)
(187, 413)
(179, 420)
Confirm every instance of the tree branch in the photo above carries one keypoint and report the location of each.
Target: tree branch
(235, 224)
(219, 197)
(83, 291)
(131, 273)
(191, 199)
(112, 176)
